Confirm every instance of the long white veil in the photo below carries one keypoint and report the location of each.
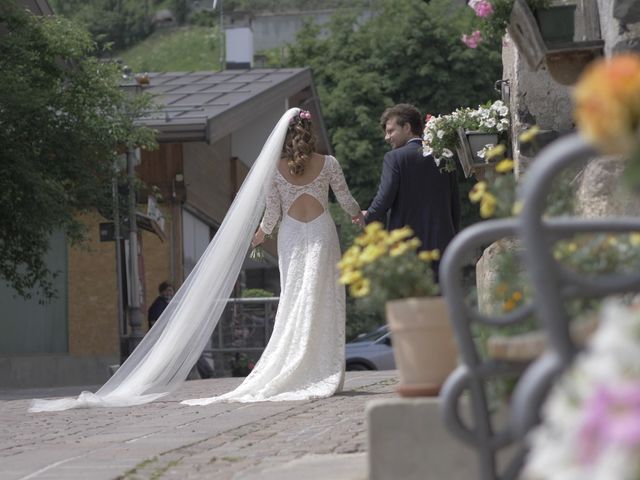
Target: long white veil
(170, 349)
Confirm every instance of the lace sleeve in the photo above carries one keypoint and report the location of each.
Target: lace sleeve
(341, 190)
(272, 211)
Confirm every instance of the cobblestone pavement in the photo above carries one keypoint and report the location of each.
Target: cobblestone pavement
(166, 440)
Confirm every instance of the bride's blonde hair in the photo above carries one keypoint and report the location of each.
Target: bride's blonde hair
(299, 143)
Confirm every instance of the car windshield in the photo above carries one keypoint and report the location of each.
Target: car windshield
(372, 336)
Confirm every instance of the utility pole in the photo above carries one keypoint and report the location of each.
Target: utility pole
(222, 40)
(117, 233)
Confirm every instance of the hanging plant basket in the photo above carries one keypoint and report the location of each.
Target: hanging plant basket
(557, 24)
(468, 146)
(548, 37)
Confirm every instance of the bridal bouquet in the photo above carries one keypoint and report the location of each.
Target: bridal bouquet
(441, 133)
(591, 421)
(384, 265)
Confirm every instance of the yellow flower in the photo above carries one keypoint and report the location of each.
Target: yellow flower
(612, 241)
(414, 243)
(399, 249)
(607, 98)
(634, 239)
(425, 256)
(516, 297)
(572, 247)
(496, 151)
(478, 190)
(371, 253)
(374, 227)
(529, 135)
(364, 240)
(399, 234)
(360, 289)
(488, 205)
(508, 305)
(504, 166)
(349, 277)
(429, 255)
(353, 250)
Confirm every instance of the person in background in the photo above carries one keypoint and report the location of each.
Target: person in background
(166, 291)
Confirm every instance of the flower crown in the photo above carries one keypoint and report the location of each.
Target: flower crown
(304, 114)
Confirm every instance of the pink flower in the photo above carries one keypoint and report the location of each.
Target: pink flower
(483, 8)
(473, 40)
(612, 418)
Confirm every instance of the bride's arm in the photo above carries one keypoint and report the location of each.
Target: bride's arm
(341, 190)
(270, 218)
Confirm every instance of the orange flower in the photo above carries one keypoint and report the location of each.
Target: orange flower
(607, 99)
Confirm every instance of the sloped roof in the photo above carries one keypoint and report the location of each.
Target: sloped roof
(206, 106)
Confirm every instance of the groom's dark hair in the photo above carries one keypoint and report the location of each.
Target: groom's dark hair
(403, 113)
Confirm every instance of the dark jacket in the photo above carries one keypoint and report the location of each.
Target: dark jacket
(156, 309)
(417, 193)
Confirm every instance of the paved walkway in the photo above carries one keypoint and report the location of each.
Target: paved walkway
(165, 440)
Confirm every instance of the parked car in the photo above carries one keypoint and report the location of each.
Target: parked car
(371, 351)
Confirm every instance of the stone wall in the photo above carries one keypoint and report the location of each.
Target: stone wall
(536, 99)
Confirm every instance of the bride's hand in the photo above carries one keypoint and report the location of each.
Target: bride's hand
(258, 238)
(358, 219)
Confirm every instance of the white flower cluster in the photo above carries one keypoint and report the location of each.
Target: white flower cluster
(493, 119)
(440, 133)
(591, 420)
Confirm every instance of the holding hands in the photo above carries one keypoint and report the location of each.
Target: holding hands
(359, 219)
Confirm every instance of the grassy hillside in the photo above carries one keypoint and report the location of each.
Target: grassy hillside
(175, 50)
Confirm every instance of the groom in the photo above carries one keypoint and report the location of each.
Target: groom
(412, 188)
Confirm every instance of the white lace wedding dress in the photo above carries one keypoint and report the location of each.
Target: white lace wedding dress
(304, 358)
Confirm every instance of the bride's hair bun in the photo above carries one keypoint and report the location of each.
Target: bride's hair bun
(299, 143)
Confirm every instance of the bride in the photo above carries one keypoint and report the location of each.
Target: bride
(304, 358)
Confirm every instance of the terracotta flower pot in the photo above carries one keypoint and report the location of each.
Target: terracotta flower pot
(423, 344)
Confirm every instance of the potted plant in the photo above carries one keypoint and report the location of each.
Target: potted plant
(386, 270)
(470, 132)
(555, 21)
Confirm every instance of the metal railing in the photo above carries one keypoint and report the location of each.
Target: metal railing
(242, 333)
(553, 285)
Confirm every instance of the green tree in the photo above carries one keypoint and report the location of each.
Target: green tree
(63, 118)
(117, 23)
(410, 51)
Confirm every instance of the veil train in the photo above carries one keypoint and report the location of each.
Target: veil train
(168, 351)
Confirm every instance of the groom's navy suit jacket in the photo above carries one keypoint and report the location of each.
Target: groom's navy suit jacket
(416, 193)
